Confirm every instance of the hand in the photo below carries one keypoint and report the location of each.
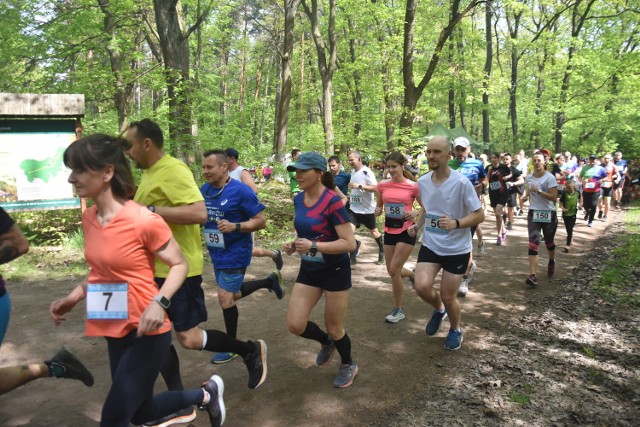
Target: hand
(289, 248)
(377, 211)
(151, 319)
(58, 309)
(534, 189)
(410, 215)
(412, 230)
(446, 223)
(353, 185)
(302, 246)
(225, 226)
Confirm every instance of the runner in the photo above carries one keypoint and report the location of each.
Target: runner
(63, 364)
(362, 204)
(396, 201)
(123, 302)
(498, 175)
(607, 186)
(514, 188)
(569, 203)
(621, 167)
(167, 188)
(474, 171)
(451, 205)
(340, 177)
(541, 188)
(591, 175)
(325, 237)
(233, 213)
(241, 174)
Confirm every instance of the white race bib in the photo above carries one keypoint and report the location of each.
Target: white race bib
(356, 200)
(495, 185)
(432, 224)
(590, 185)
(107, 301)
(393, 210)
(214, 238)
(542, 216)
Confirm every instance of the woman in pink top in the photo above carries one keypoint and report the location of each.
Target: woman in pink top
(123, 302)
(396, 198)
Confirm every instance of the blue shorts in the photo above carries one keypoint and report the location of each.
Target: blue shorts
(230, 279)
(5, 311)
(187, 309)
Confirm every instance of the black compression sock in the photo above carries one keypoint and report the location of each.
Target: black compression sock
(231, 320)
(380, 243)
(250, 287)
(343, 345)
(218, 341)
(313, 332)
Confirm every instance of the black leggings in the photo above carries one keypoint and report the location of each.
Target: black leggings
(569, 222)
(135, 366)
(590, 203)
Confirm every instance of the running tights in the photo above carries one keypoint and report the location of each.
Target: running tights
(135, 366)
(590, 203)
(569, 223)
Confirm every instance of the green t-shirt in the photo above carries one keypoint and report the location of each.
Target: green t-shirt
(169, 182)
(570, 203)
(293, 183)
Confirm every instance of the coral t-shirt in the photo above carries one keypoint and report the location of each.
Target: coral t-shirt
(397, 198)
(122, 252)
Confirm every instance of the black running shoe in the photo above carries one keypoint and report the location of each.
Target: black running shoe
(278, 259)
(532, 281)
(215, 407)
(257, 363)
(276, 287)
(65, 365)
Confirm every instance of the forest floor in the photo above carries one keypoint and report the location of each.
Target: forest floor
(556, 355)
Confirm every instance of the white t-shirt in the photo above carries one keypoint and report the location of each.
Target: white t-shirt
(236, 173)
(361, 201)
(455, 198)
(544, 183)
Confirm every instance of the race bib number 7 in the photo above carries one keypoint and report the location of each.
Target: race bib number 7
(107, 301)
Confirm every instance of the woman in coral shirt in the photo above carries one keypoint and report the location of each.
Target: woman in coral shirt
(123, 303)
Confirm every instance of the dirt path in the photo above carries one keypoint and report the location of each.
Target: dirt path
(565, 359)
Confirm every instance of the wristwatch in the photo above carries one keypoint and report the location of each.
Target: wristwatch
(360, 187)
(163, 301)
(151, 208)
(314, 249)
(237, 226)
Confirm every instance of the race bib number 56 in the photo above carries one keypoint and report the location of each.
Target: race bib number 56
(432, 224)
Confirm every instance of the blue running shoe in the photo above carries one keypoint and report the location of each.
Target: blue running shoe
(224, 357)
(434, 324)
(454, 340)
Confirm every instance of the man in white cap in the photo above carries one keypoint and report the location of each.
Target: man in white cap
(474, 170)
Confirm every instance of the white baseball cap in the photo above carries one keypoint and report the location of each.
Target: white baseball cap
(461, 141)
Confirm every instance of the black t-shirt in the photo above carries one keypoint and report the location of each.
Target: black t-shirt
(496, 178)
(5, 221)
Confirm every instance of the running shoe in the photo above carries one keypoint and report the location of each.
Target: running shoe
(463, 289)
(590, 224)
(215, 407)
(257, 363)
(353, 255)
(551, 268)
(509, 226)
(454, 340)
(434, 324)
(481, 250)
(532, 281)
(499, 240)
(413, 279)
(276, 287)
(64, 364)
(604, 218)
(395, 316)
(380, 258)
(346, 374)
(223, 357)
(183, 416)
(358, 244)
(278, 259)
(325, 354)
(586, 215)
(599, 214)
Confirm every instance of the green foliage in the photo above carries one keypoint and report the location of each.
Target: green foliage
(521, 394)
(48, 228)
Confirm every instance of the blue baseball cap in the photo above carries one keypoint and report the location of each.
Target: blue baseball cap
(309, 160)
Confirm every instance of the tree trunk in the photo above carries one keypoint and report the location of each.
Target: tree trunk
(243, 69)
(282, 119)
(513, 85)
(486, 133)
(389, 107)
(327, 57)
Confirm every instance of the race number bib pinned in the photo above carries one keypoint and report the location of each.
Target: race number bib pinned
(432, 224)
(393, 210)
(355, 200)
(590, 185)
(312, 258)
(214, 238)
(107, 301)
(542, 216)
(495, 185)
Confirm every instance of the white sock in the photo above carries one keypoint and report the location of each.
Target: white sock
(206, 398)
(204, 339)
